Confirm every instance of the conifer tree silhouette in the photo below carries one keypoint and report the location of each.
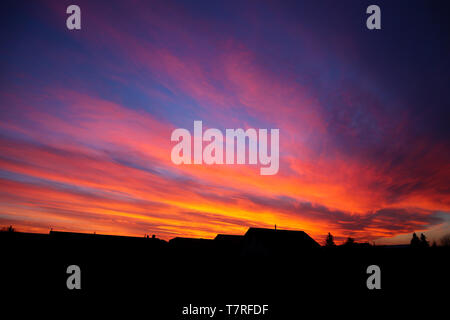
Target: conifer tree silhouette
(329, 242)
(423, 241)
(415, 242)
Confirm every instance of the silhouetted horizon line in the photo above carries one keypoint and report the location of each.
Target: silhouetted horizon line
(154, 236)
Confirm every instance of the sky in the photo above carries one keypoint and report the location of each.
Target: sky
(86, 117)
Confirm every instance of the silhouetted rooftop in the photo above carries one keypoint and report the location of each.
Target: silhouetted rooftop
(192, 240)
(228, 237)
(91, 236)
(281, 237)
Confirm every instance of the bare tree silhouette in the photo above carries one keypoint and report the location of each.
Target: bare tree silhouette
(349, 242)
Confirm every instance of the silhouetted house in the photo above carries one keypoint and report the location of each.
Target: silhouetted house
(256, 241)
(229, 238)
(229, 244)
(356, 245)
(362, 245)
(191, 245)
(61, 235)
(8, 235)
(80, 240)
(259, 241)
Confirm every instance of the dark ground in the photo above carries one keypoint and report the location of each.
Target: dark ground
(155, 279)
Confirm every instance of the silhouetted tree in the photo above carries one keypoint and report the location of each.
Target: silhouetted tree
(415, 241)
(423, 241)
(329, 242)
(445, 240)
(8, 229)
(349, 242)
(434, 245)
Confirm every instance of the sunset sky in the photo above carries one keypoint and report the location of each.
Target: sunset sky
(86, 117)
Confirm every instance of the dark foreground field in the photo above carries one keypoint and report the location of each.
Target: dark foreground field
(157, 279)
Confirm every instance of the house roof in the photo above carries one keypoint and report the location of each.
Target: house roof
(230, 237)
(281, 236)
